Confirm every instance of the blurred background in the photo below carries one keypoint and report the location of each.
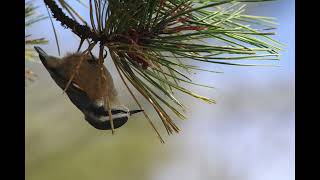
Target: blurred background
(248, 135)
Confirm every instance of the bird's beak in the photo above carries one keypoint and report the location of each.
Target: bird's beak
(135, 111)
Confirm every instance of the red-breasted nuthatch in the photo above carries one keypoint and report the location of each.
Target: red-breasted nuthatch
(87, 89)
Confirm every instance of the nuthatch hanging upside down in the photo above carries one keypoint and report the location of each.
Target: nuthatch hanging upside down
(86, 90)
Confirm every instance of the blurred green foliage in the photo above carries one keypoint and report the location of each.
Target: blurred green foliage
(31, 17)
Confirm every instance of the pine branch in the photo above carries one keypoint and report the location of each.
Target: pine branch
(83, 31)
(153, 42)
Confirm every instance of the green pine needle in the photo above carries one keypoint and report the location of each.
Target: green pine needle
(153, 42)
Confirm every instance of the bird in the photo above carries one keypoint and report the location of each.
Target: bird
(87, 89)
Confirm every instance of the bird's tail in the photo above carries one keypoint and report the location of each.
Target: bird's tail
(48, 61)
(41, 52)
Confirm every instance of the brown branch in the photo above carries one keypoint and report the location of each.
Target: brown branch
(83, 31)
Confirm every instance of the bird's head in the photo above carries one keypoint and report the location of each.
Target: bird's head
(100, 119)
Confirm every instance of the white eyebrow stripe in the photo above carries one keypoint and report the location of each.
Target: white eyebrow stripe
(77, 86)
(106, 118)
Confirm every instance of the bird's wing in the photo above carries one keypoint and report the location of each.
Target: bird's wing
(75, 93)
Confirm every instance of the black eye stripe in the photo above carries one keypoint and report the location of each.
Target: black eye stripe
(100, 111)
(117, 111)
